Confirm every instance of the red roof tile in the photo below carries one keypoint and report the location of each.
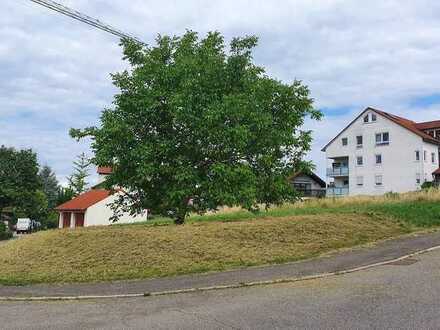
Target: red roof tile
(104, 170)
(406, 123)
(429, 125)
(437, 172)
(84, 201)
(409, 125)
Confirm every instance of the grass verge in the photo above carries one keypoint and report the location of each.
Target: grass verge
(213, 243)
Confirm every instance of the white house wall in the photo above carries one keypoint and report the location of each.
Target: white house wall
(399, 167)
(428, 166)
(100, 213)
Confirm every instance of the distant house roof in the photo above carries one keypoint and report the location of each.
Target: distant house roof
(312, 175)
(84, 201)
(104, 170)
(429, 125)
(403, 122)
(436, 172)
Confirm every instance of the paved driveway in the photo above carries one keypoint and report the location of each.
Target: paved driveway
(404, 295)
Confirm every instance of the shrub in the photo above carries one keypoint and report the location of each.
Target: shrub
(391, 195)
(5, 235)
(428, 185)
(4, 232)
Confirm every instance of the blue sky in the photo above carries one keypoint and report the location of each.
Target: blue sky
(352, 54)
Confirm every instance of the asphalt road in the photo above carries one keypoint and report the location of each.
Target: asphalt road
(405, 296)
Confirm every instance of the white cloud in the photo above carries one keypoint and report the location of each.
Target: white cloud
(55, 71)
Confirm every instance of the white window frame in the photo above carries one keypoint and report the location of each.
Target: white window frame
(359, 146)
(342, 141)
(375, 159)
(377, 182)
(417, 152)
(360, 181)
(362, 160)
(433, 157)
(418, 178)
(382, 142)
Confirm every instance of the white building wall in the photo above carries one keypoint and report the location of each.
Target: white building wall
(428, 166)
(100, 213)
(399, 168)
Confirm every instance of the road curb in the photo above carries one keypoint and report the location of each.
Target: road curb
(220, 287)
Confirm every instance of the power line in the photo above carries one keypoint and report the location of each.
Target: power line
(85, 19)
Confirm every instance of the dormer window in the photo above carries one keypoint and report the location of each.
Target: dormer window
(370, 118)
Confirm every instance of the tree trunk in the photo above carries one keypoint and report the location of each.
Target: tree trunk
(181, 213)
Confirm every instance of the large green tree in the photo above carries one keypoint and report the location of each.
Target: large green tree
(20, 185)
(196, 125)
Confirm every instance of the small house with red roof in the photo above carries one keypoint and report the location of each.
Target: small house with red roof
(92, 208)
(379, 152)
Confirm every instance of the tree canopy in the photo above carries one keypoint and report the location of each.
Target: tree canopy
(50, 185)
(20, 185)
(78, 180)
(196, 125)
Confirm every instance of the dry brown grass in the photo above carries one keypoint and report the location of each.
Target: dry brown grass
(134, 252)
(428, 195)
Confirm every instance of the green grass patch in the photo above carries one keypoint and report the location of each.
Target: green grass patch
(227, 240)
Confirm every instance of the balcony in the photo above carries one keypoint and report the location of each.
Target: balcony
(337, 191)
(337, 171)
(318, 193)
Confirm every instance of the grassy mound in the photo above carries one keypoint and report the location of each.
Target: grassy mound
(134, 252)
(230, 239)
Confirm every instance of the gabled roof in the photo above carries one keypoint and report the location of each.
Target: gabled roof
(104, 170)
(311, 175)
(429, 125)
(84, 201)
(409, 125)
(403, 122)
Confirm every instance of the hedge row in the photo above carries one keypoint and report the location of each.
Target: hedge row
(5, 235)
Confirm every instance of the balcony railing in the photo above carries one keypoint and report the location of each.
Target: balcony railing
(319, 193)
(337, 191)
(337, 171)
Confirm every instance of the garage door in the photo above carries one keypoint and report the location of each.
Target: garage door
(79, 219)
(66, 219)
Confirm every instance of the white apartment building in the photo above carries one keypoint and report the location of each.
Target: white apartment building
(379, 152)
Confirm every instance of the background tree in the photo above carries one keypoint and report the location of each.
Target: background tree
(19, 180)
(196, 126)
(34, 206)
(64, 195)
(50, 186)
(78, 180)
